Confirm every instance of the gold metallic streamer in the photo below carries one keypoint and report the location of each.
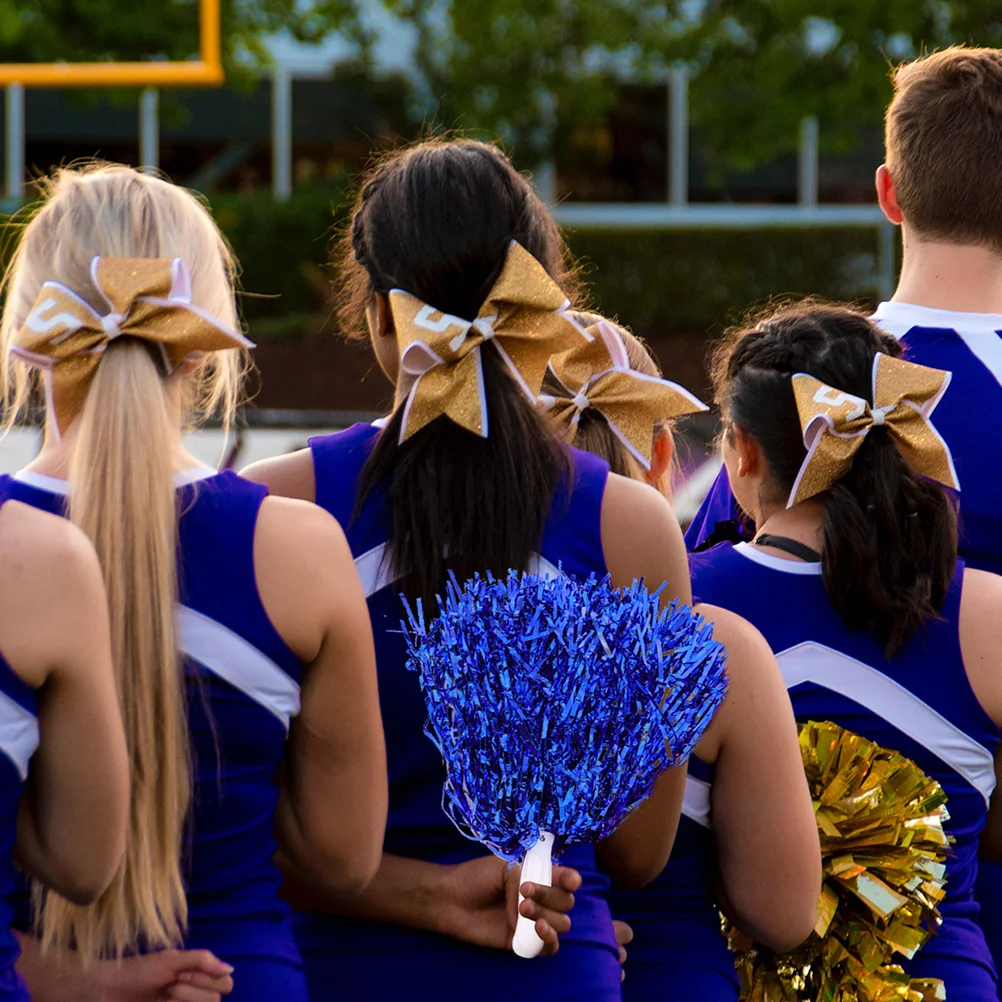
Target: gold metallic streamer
(525, 315)
(835, 424)
(883, 849)
(597, 374)
(146, 298)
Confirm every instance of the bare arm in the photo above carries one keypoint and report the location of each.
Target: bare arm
(54, 633)
(768, 851)
(474, 901)
(642, 539)
(979, 643)
(332, 812)
(288, 476)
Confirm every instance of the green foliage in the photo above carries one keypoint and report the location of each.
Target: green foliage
(77, 30)
(762, 65)
(662, 285)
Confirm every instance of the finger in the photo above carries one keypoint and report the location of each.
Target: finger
(624, 932)
(622, 955)
(560, 921)
(222, 985)
(551, 941)
(189, 993)
(203, 960)
(566, 878)
(552, 898)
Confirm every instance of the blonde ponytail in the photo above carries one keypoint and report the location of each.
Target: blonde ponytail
(123, 496)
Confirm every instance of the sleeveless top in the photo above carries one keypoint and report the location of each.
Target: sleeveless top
(919, 703)
(242, 685)
(416, 826)
(18, 741)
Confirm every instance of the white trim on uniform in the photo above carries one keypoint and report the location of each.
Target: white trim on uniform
(237, 661)
(696, 802)
(756, 555)
(902, 709)
(56, 485)
(376, 572)
(899, 318)
(18, 733)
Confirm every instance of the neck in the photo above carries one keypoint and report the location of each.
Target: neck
(959, 277)
(802, 523)
(53, 459)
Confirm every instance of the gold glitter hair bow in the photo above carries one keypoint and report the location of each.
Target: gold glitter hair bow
(525, 315)
(597, 374)
(835, 424)
(146, 298)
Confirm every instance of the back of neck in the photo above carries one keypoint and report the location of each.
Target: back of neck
(958, 277)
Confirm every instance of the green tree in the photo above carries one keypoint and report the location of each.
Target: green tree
(762, 65)
(75, 30)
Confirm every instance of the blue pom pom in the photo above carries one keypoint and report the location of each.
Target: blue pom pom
(557, 703)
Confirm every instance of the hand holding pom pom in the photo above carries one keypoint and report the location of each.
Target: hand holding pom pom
(556, 704)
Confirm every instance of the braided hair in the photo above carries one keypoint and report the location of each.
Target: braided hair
(889, 536)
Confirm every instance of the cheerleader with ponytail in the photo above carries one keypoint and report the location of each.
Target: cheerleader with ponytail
(458, 273)
(831, 446)
(760, 859)
(239, 631)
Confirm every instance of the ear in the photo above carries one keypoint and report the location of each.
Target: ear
(382, 320)
(750, 459)
(887, 195)
(661, 453)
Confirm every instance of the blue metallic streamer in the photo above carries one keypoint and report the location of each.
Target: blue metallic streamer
(556, 703)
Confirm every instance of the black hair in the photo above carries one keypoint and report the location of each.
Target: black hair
(437, 220)
(889, 536)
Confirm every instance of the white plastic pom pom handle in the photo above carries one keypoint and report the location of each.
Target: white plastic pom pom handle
(537, 867)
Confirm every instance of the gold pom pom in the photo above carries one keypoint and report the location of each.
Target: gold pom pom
(883, 850)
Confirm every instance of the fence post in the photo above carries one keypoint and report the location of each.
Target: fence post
(808, 170)
(281, 133)
(678, 135)
(14, 142)
(149, 129)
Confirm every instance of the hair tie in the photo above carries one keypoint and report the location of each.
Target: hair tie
(146, 298)
(526, 317)
(598, 375)
(835, 423)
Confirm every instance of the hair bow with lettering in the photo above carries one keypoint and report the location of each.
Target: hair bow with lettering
(835, 424)
(146, 298)
(526, 316)
(598, 375)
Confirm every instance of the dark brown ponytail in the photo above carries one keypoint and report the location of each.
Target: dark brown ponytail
(436, 220)
(890, 537)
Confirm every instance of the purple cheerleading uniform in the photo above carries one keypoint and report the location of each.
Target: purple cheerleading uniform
(371, 961)
(919, 703)
(18, 741)
(242, 685)
(969, 417)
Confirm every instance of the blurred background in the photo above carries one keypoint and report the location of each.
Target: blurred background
(703, 155)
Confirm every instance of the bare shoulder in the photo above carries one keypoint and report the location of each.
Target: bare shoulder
(629, 505)
(38, 549)
(290, 476)
(293, 531)
(52, 598)
(982, 594)
(736, 634)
